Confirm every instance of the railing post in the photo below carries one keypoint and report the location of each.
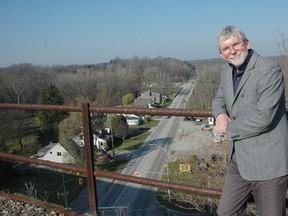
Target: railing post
(90, 168)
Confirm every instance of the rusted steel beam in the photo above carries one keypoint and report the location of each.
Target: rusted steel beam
(120, 110)
(116, 176)
(161, 184)
(55, 165)
(42, 107)
(111, 175)
(154, 111)
(90, 168)
(44, 205)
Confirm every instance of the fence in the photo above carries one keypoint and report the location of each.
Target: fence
(89, 168)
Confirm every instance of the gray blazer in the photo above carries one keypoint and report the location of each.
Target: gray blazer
(258, 130)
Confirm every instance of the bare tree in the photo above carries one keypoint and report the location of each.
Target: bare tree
(282, 44)
(207, 84)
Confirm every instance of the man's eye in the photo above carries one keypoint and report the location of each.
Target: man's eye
(237, 45)
(225, 50)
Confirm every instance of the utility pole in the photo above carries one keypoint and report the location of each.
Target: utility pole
(64, 191)
(112, 139)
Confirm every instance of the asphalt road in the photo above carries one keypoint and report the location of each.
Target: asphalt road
(122, 198)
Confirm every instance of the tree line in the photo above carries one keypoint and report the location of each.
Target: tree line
(104, 84)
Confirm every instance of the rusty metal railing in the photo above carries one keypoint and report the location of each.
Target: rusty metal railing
(89, 168)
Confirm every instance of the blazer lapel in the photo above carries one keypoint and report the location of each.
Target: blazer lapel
(242, 82)
(246, 74)
(229, 82)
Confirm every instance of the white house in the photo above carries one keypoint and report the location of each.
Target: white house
(56, 153)
(98, 141)
(133, 119)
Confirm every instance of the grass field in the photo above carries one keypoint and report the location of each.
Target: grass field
(46, 186)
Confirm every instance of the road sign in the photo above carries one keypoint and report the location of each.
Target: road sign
(185, 168)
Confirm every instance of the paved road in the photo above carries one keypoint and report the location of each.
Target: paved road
(172, 134)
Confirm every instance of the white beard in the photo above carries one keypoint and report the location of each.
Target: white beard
(237, 62)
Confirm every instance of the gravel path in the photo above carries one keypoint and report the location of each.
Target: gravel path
(10, 207)
(192, 140)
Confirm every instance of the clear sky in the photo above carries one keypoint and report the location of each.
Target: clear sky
(53, 32)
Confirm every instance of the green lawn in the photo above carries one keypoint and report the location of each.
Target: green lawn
(31, 125)
(133, 142)
(29, 131)
(137, 139)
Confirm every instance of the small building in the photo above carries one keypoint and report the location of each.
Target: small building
(148, 97)
(133, 119)
(100, 140)
(55, 152)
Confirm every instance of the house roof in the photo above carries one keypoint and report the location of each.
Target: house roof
(133, 116)
(45, 149)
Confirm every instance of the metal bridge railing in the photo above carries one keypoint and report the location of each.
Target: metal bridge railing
(89, 168)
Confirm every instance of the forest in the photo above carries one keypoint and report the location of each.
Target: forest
(104, 84)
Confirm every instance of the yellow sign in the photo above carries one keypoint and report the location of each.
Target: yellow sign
(137, 174)
(185, 168)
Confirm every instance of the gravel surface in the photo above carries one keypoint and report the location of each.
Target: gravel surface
(192, 140)
(10, 207)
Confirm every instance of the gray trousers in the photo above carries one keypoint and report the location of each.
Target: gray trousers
(269, 195)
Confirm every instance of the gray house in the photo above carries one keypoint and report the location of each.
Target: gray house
(148, 97)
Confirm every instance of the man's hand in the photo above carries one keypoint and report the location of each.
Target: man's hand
(222, 122)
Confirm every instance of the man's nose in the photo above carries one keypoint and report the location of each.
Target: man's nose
(232, 50)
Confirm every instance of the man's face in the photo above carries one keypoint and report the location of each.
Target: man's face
(234, 50)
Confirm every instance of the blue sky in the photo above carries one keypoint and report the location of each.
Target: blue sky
(53, 32)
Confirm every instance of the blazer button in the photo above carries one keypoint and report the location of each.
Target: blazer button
(233, 118)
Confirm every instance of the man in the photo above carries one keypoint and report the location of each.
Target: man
(250, 108)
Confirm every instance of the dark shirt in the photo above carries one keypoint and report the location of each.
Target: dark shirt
(237, 75)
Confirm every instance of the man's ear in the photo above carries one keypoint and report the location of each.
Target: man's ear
(247, 43)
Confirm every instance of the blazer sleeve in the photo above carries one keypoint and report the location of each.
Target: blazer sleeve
(219, 102)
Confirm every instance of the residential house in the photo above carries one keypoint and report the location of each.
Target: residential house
(100, 140)
(133, 119)
(148, 97)
(55, 152)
